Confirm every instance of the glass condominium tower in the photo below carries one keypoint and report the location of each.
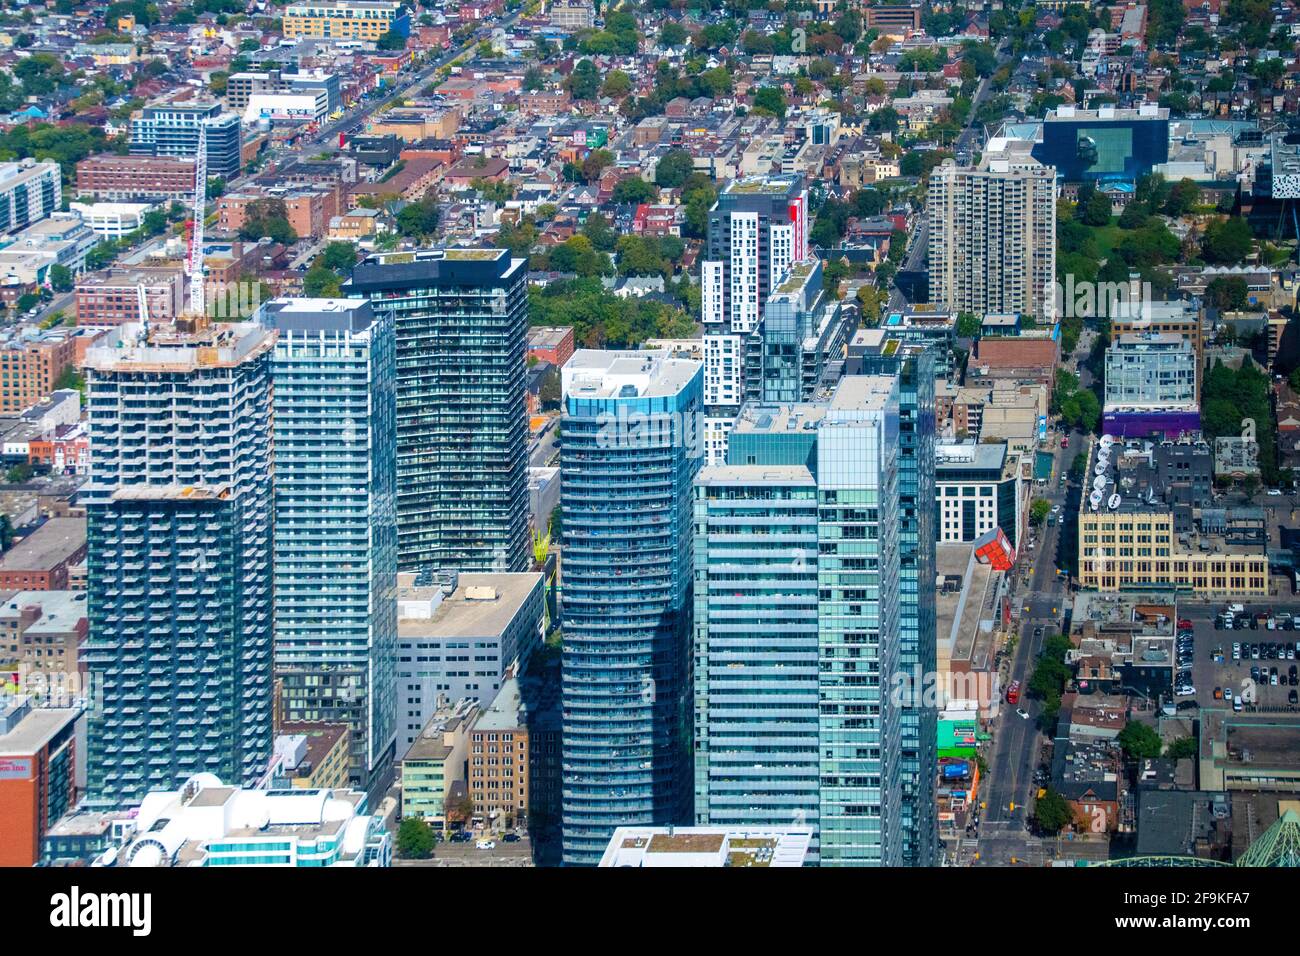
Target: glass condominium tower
(797, 624)
(461, 317)
(918, 649)
(335, 377)
(179, 516)
(631, 451)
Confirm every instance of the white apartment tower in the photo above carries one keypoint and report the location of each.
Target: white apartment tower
(992, 244)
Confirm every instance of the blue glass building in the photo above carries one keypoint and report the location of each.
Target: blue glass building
(179, 514)
(631, 449)
(755, 661)
(335, 378)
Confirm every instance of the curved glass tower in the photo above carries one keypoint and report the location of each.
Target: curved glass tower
(630, 453)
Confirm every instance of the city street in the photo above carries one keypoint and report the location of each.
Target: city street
(1008, 790)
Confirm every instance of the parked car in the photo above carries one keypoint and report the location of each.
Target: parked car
(486, 845)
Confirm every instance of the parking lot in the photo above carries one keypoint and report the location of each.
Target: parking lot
(1263, 653)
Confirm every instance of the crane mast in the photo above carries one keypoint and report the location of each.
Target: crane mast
(194, 265)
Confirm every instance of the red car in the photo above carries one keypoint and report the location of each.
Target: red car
(1184, 625)
(1013, 693)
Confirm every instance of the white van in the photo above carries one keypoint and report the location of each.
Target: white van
(1237, 704)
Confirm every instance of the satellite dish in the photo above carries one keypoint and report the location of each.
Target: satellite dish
(1114, 502)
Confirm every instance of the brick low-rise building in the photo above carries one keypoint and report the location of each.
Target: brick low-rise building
(40, 561)
(37, 776)
(31, 363)
(308, 210)
(112, 298)
(551, 344)
(120, 178)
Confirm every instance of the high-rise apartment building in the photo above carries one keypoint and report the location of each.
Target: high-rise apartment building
(757, 760)
(797, 624)
(335, 377)
(462, 459)
(172, 129)
(180, 509)
(631, 450)
(915, 366)
(802, 326)
(992, 245)
(29, 192)
(757, 229)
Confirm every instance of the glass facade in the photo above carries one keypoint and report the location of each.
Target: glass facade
(1095, 148)
(334, 373)
(797, 629)
(858, 652)
(179, 507)
(462, 446)
(173, 130)
(756, 684)
(629, 456)
(918, 649)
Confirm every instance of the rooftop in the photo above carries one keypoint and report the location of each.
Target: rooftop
(467, 611)
(598, 374)
(49, 545)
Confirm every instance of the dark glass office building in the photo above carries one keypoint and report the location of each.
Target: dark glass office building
(1104, 144)
(462, 446)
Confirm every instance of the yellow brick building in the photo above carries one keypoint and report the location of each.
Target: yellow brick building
(344, 20)
(1121, 550)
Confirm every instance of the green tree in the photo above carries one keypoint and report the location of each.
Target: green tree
(769, 99)
(61, 278)
(1096, 211)
(1226, 240)
(617, 84)
(419, 220)
(20, 473)
(672, 34)
(1183, 196)
(1139, 741)
(673, 168)
(633, 189)
(390, 41)
(320, 282)
(584, 82)
(968, 325)
(1181, 748)
(1039, 510)
(338, 256)
(1052, 812)
(1227, 293)
(415, 839)
(599, 231)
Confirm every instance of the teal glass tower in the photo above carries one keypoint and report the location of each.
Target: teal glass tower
(179, 515)
(755, 661)
(631, 449)
(797, 624)
(335, 377)
(461, 317)
(917, 645)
